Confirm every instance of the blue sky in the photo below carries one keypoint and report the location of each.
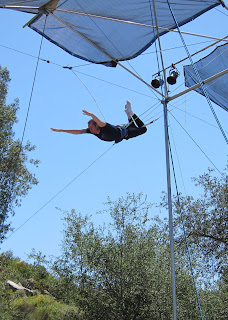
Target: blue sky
(137, 165)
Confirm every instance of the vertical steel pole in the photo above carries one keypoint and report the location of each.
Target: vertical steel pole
(170, 210)
(165, 108)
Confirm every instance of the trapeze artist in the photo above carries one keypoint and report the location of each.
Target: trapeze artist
(109, 132)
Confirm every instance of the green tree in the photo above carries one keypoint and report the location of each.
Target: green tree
(205, 219)
(122, 270)
(15, 178)
(206, 222)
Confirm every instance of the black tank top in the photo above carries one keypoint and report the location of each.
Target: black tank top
(108, 133)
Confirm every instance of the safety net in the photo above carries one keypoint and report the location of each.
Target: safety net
(214, 63)
(104, 31)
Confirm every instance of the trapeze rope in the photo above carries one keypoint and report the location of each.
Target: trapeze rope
(197, 74)
(70, 68)
(184, 231)
(75, 73)
(100, 108)
(22, 138)
(58, 193)
(148, 116)
(90, 94)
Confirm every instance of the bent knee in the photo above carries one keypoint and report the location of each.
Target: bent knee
(144, 129)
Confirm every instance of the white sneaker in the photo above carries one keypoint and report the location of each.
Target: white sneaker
(128, 105)
(128, 113)
(128, 109)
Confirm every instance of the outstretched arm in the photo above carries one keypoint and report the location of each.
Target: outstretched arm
(73, 131)
(99, 122)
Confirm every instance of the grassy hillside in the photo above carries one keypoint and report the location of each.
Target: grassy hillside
(45, 302)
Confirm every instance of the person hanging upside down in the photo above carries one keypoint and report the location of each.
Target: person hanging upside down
(109, 132)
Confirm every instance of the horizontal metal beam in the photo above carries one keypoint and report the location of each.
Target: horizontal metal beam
(133, 23)
(197, 85)
(18, 7)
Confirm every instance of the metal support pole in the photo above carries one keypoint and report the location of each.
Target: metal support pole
(164, 102)
(170, 210)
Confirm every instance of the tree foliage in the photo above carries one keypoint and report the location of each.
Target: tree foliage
(122, 270)
(206, 221)
(15, 178)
